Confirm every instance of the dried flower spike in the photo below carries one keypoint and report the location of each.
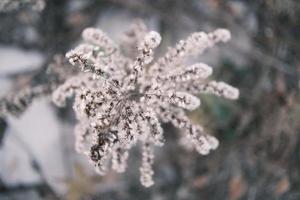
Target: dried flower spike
(122, 100)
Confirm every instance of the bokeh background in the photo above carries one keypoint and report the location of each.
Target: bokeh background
(259, 153)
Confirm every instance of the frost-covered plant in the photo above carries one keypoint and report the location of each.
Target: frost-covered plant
(122, 100)
(17, 101)
(10, 5)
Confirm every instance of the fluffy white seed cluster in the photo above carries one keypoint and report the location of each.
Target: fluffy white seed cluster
(122, 98)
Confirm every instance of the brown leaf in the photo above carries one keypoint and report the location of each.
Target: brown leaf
(200, 181)
(237, 187)
(282, 186)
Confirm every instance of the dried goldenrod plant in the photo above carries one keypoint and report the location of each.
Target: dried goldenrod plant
(122, 96)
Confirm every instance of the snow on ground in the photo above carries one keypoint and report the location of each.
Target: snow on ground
(5, 86)
(38, 133)
(15, 60)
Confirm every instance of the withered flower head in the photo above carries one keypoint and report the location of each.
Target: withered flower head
(121, 100)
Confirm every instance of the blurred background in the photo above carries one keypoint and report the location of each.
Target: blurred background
(259, 153)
